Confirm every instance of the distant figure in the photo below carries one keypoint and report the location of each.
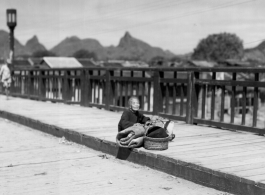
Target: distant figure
(5, 77)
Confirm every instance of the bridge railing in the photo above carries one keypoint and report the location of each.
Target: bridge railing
(231, 98)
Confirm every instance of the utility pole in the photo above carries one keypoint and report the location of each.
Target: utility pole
(11, 18)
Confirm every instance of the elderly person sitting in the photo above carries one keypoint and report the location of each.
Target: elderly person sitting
(133, 126)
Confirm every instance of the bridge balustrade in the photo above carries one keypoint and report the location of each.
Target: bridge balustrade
(231, 98)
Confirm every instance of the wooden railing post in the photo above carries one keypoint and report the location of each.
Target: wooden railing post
(85, 88)
(196, 94)
(12, 87)
(21, 83)
(108, 90)
(233, 97)
(157, 93)
(190, 99)
(65, 86)
(41, 86)
(26, 77)
(256, 101)
(30, 84)
(89, 83)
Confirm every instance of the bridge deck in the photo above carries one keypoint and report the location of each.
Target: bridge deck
(226, 160)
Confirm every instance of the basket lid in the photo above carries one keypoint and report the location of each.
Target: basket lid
(156, 132)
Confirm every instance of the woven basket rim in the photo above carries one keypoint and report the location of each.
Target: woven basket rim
(157, 139)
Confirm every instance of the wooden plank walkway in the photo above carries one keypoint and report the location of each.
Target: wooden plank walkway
(226, 160)
(36, 163)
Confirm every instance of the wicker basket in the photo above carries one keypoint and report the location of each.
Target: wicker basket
(156, 143)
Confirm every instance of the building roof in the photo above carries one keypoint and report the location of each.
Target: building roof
(34, 61)
(134, 64)
(112, 64)
(234, 62)
(123, 63)
(88, 62)
(201, 63)
(61, 62)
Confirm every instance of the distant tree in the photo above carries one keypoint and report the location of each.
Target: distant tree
(82, 53)
(157, 61)
(42, 53)
(219, 47)
(130, 58)
(24, 56)
(175, 59)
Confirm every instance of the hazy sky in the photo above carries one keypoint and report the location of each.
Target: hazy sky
(176, 25)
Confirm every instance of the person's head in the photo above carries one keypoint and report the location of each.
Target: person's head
(8, 62)
(134, 103)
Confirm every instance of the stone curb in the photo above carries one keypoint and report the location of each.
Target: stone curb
(195, 173)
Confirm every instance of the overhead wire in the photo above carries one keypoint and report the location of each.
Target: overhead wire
(71, 14)
(123, 12)
(78, 16)
(170, 18)
(220, 6)
(71, 26)
(260, 40)
(175, 17)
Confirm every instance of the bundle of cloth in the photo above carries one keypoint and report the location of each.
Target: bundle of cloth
(156, 132)
(132, 137)
(156, 127)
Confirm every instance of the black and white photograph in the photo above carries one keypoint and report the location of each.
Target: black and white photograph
(132, 97)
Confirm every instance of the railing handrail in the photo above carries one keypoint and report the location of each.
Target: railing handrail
(189, 69)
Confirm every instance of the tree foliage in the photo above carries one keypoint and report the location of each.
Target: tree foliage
(42, 53)
(24, 56)
(219, 47)
(82, 53)
(129, 58)
(157, 61)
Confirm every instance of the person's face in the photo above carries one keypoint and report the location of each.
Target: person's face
(135, 104)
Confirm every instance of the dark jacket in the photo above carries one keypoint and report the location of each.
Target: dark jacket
(129, 118)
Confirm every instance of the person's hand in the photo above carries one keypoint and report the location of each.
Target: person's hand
(127, 138)
(136, 142)
(138, 124)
